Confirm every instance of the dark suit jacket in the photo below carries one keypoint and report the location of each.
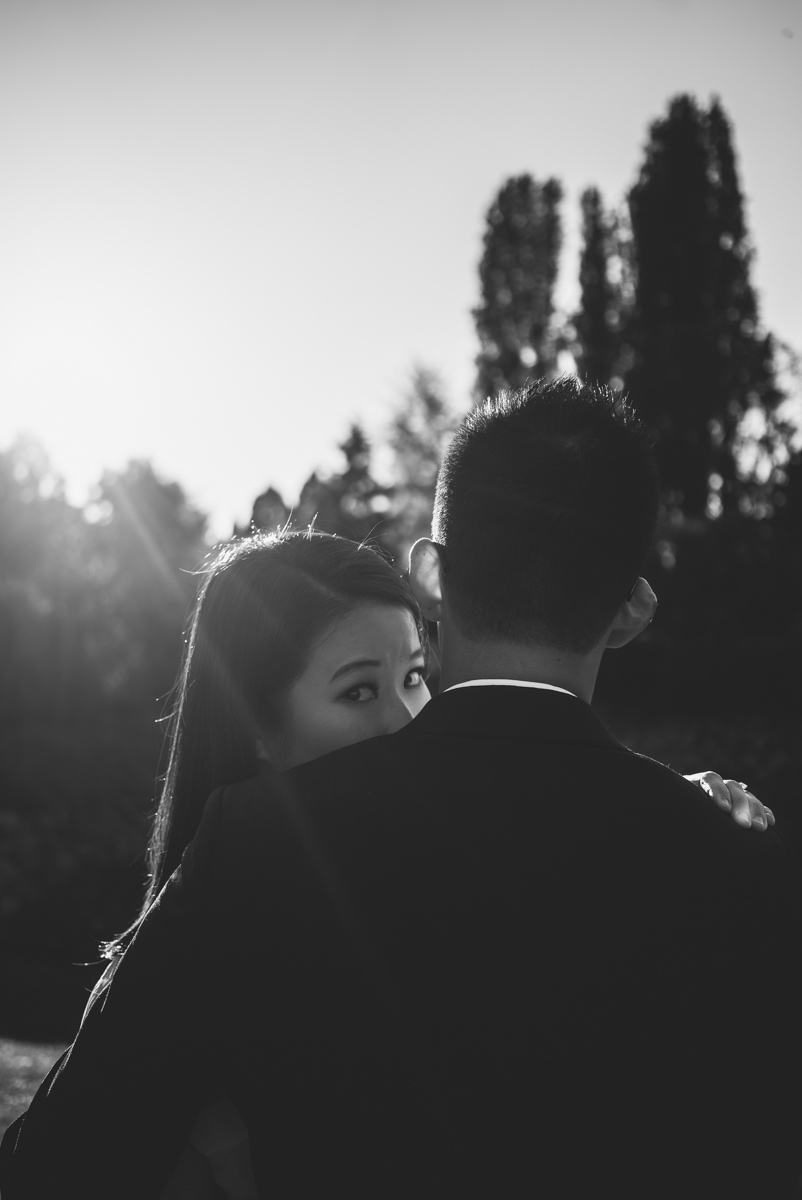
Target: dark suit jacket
(493, 955)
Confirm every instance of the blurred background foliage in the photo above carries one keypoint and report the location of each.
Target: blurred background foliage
(93, 600)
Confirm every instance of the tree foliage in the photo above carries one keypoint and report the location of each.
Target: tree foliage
(47, 604)
(269, 512)
(353, 502)
(419, 432)
(350, 503)
(701, 361)
(92, 607)
(606, 286)
(146, 543)
(517, 273)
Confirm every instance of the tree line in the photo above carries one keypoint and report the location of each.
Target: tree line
(93, 600)
(667, 311)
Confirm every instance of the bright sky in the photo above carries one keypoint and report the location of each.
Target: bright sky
(230, 227)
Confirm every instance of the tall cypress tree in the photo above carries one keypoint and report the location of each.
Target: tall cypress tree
(700, 360)
(598, 322)
(517, 274)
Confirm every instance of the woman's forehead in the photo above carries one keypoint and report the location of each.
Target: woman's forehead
(374, 631)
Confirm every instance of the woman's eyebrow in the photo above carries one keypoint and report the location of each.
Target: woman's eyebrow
(357, 665)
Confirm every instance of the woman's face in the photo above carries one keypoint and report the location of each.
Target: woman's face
(365, 678)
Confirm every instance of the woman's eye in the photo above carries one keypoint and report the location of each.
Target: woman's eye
(361, 693)
(414, 678)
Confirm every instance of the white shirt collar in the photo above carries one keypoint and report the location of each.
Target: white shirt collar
(548, 687)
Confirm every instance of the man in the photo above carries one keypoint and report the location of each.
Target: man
(493, 955)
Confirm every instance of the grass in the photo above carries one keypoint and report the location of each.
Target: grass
(23, 1066)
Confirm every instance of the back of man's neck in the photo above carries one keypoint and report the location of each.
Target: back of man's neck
(463, 660)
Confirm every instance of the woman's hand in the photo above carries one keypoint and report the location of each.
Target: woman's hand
(736, 799)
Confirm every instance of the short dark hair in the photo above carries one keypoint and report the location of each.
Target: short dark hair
(546, 507)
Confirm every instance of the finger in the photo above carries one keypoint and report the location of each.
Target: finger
(762, 817)
(746, 808)
(714, 786)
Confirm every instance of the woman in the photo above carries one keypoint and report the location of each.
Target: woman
(265, 603)
(300, 643)
(276, 613)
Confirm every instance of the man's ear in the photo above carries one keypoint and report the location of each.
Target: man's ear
(425, 568)
(634, 615)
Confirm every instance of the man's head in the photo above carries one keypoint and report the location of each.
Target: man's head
(545, 509)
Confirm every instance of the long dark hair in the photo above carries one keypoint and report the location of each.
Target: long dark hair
(263, 604)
